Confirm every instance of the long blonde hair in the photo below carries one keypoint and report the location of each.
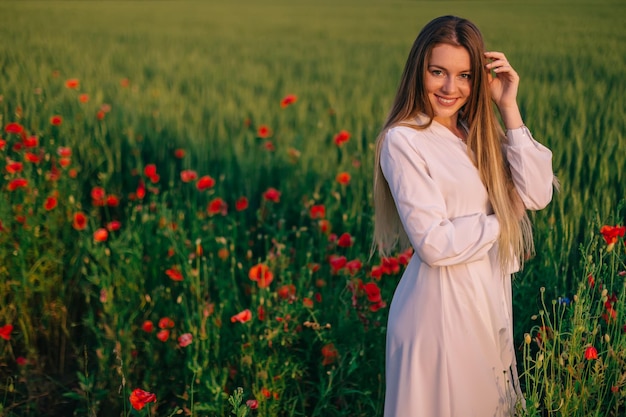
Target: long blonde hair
(484, 141)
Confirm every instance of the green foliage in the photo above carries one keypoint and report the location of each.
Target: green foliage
(89, 307)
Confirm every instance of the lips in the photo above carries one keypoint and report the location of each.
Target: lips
(446, 101)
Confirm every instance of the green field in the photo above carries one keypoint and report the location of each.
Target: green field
(204, 77)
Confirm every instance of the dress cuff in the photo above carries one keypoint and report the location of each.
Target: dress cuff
(519, 136)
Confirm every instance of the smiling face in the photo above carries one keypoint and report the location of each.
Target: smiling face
(448, 82)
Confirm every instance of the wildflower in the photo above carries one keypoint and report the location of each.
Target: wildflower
(21, 361)
(337, 263)
(14, 128)
(174, 274)
(353, 266)
(324, 226)
(112, 200)
(147, 326)
(163, 335)
(179, 153)
(241, 204)
(269, 145)
(188, 175)
(72, 83)
(101, 235)
(139, 398)
(242, 316)
(150, 170)
(591, 280)
(307, 302)
(287, 100)
(124, 82)
(166, 323)
(317, 211)
(97, 196)
(343, 178)
(13, 167)
(611, 234)
(185, 339)
(390, 265)
(56, 120)
(252, 404)
(205, 182)
(31, 142)
(261, 274)
(5, 331)
(83, 98)
(330, 354)
(100, 114)
(80, 221)
(264, 132)
(51, 202)
(223, 254)
(217, 206)
(64, 151)
(272, 194)
(345, 240)
(372, 291)
(376, 272)
(591, 353)
(260, 311)
(341, 138)
(286, 291)
(17, 183)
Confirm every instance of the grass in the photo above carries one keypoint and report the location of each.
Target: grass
(204, 77)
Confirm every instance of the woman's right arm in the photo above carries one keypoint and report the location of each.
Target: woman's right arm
(436, 239)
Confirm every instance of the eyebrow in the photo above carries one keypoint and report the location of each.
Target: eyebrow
(444, 68)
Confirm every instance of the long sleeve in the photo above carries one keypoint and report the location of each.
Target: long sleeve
(531, 167)
(437, 239)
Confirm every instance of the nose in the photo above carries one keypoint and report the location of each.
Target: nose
(449, 85)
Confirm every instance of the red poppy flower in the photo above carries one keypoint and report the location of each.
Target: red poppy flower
(163, 335)
(80, 221)
(185, 339)
(343, 178)
(260, 313)
(100, 114)
(264, 132)
(31, 142)
(330, 354)
(272, 194)
(72, 83)
(64, 151)
(242, 317)
(51, 202)
(101, 235)
(97, 196)
(31, 157)
(14, 128)
(287, 100)
(286, 291)
(2, 144)
(390, 265)
(217, 206)
(140, 193)
(405, 256)
(150, 170)
(252, 404)
(56, 120)
(17, 183)
(317, 211)
(611, 234)
(337, 263)
(345, 240)
(241, 204)
(139, 398)
(188, 175)
(261, 274)
(354, 266)
(591, 353)
(179, 153)
(114, 225)
(14, 167)
(342, 137)
(5, 331)
(372, 291)
(147, 326)
(112, 200)
(269, 145)
(83, 98)
(166, 323)
(174, 274)
(205, 182)
(324, 225)
(307, 302)
(124, 82)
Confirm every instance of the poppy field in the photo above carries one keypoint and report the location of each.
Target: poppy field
(186, 219)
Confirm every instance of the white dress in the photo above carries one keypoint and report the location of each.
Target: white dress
(449, 349)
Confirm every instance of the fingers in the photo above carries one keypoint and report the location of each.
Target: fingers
(498, 62)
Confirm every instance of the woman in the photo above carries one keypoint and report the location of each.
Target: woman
(454, 186)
